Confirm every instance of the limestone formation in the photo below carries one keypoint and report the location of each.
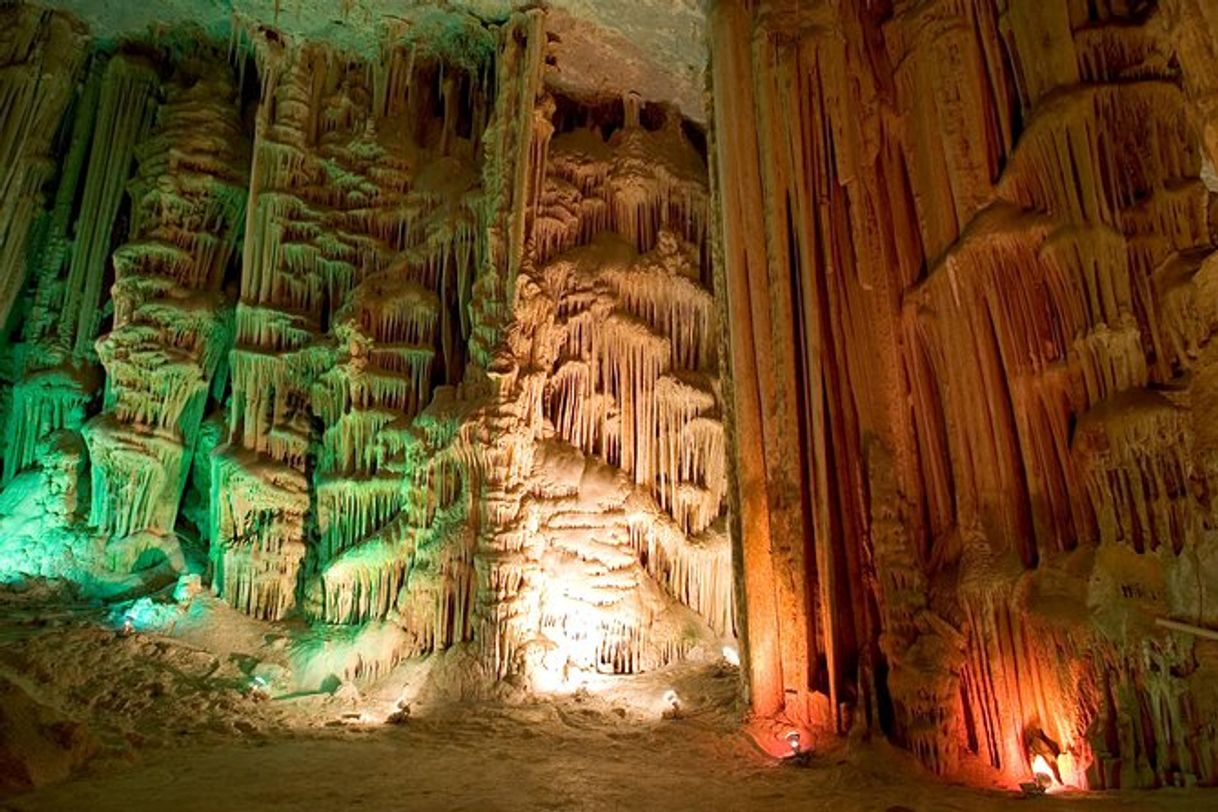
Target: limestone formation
(424, 331)
(399, 338)
(967, 256)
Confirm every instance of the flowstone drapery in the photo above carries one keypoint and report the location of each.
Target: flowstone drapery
(402, 340)
(969, 256)
(611, 368)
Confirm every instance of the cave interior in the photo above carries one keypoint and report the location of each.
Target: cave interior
(838, 370)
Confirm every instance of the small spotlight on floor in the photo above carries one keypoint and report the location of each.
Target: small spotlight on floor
(799, 757)
(258, 689)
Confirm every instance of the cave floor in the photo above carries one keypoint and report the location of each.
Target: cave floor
(544, 757)
(172, 730)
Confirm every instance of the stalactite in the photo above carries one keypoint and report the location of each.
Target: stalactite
(359, 244)
(617, 238)
(41, 403)
(125, 112)
(615, 352)
(697, 571)
(47, 395)
(638, 184)
(39, 58)
(445, 297)
(613, 395)
(1135, 458)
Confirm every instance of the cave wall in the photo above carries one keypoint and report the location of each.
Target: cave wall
(967, 255)
(411, 342)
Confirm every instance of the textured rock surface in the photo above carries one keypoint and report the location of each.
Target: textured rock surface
(405, 341)
(423, 328)
(37, 745)
(654, 47)
(993, 222)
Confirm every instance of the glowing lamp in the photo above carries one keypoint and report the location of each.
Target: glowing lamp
(732, 656)
(1042, 771)
(672, 705)
(799, 755)
(259, 688)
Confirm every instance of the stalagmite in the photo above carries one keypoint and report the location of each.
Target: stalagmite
(257, 522)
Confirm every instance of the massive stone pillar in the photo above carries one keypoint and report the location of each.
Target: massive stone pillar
(796, 452)
(40, 68)
(358, 248)
(166, 354)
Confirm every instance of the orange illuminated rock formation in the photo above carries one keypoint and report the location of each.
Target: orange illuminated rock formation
(967, 257)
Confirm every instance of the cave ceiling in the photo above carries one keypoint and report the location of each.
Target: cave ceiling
(599, 47)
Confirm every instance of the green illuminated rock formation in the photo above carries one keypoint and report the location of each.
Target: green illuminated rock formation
(400, 336)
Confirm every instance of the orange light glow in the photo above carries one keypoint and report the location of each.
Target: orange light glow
(1043, 771)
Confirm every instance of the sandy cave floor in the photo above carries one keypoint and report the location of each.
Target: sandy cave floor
(497, 762)
(174, 729)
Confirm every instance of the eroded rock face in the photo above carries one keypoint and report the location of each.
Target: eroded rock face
(406, 341)
(968, 257)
